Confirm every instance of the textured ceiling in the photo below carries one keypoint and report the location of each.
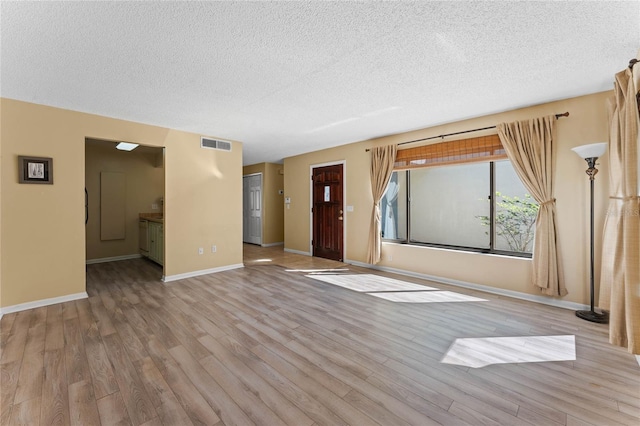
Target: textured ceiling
(291, 77)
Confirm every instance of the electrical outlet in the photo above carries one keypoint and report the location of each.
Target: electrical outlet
(200, 250)
(214, 249)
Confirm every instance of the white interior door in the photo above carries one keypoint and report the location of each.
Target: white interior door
(252, 209)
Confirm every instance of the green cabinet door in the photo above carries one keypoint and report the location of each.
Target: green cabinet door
(156, 242)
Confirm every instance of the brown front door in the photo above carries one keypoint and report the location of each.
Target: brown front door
(328, 212)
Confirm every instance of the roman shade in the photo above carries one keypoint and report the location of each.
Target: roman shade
(484, 148)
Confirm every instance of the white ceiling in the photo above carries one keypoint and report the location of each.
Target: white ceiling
(292, 77)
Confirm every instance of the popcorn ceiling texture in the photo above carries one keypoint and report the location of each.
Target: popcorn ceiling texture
(286, 78)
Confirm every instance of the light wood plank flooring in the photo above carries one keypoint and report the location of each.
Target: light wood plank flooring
(270, 346)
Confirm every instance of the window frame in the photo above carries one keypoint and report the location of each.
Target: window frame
(492, 215)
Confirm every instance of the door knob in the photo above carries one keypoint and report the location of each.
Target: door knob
(340, 211)
(339, 217)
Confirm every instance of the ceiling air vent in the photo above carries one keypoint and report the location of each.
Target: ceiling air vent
(215, 144)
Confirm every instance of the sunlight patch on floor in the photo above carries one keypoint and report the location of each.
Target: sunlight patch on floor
(427, 297)
(318, 271)
(392, 289)
(481, 352)
(368, 282)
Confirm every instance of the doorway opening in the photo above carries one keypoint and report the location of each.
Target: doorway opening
(252, 207)
(121, 189)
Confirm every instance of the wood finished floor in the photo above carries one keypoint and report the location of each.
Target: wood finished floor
(263, 345)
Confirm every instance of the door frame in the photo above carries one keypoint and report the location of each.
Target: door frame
(158, 148)
(261, 204)
(344, 204)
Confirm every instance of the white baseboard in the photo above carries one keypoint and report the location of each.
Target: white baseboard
(304, 253)
(169, 278)
(44, 302)
(280, 243)
(113, 259)
(545, 300)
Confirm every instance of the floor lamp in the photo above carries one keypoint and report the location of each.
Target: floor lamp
(591, 153)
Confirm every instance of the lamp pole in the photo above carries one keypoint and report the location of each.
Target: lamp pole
(592, 315)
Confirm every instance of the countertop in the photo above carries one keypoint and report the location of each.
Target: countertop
(152, 217)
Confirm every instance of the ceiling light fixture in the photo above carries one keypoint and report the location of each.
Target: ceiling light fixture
(126, 146)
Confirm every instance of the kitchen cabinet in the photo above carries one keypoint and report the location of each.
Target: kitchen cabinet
(156, 242)
(143, 237)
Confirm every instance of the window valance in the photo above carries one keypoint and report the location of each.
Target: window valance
(484, 148)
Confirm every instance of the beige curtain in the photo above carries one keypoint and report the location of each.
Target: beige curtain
(530, 147)
(620, 275)
(382, 160)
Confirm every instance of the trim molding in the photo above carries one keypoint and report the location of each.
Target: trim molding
(169, 278)
(114, 258)
(280, 243)
(43, 302)
(544, 300)
(304, 253)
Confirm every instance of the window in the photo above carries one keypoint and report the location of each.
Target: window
(515, 211)
(393, 208)
(448, 203)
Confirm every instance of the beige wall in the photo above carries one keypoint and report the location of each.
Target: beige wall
(1, 196)
(273, 231)
(43, 233)
(273, 213)
(144, 180)
(586, 124)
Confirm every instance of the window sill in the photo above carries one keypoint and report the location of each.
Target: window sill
(468, 250)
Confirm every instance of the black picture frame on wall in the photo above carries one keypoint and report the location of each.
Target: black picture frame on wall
(35, 170)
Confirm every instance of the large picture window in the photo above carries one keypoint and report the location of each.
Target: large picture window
(446, 203)
(477, 204)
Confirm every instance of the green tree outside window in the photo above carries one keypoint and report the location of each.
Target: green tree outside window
(515, 218)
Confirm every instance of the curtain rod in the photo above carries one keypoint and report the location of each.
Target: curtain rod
(564, 114)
